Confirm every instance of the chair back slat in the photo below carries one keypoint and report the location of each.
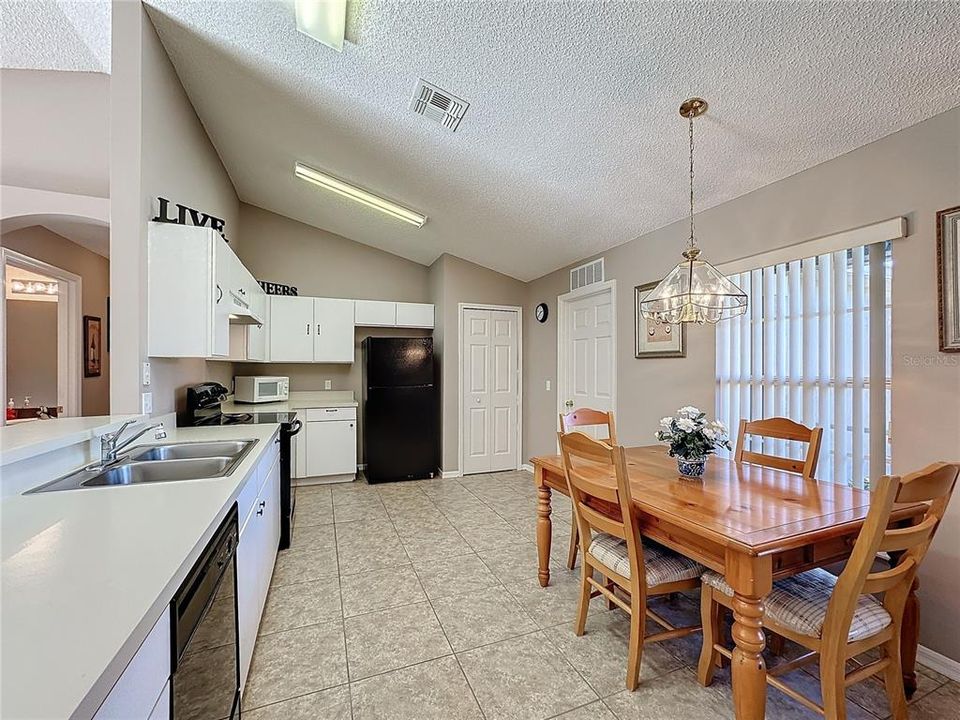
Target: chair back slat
(602, 522)
(780, 428)
(900, 539)
(586, 417)
(933, 485)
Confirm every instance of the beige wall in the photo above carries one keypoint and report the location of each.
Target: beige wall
(158, 148)
(42, 244)
(31, 352)
(55, 130)
(318, 263)
(454, 281)
(912, 173)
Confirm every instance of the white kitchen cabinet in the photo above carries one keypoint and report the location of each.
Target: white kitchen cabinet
(256, 555)
(144, 678)
(333, 336)
(418, 315)
(331, 448)
(375, 313)
(188, 271)
(291, 328)
(306, 329)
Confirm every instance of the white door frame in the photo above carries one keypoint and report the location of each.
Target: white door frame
(69, 313)
(482, 306)
(563, 312)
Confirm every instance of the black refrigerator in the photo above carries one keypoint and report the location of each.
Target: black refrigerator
(400, 409)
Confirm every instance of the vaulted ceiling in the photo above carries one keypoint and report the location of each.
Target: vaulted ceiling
(572, 143)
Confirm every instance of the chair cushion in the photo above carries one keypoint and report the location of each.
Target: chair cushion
(662, 565)
(799, 603)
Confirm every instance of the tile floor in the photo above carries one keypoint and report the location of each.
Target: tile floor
(420, 601)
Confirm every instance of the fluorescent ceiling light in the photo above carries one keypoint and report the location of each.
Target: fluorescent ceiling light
(323, 20)
(341, 187)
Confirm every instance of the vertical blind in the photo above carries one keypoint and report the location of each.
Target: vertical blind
(814, 347)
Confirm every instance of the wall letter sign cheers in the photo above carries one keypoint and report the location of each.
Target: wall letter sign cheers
(188, 216)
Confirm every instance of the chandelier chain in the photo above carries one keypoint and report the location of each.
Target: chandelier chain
(692, 241)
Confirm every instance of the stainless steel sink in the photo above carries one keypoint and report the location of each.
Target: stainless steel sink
(158, 463)
(183, 451)
(132, 473)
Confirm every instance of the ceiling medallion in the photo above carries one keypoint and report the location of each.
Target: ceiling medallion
(694, 291)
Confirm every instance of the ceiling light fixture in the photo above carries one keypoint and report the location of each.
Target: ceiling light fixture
(32, 287)
(341, 187)
(694, 291)
(323, 20)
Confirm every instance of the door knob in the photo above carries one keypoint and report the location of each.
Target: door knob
(569, 403)
(477, 400)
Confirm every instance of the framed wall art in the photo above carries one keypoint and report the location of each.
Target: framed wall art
(656, 340)
(92, 346)
(948, 277)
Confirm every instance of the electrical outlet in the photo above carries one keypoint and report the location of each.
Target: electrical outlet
(327, 384)
(548, 386)
(146, 373)
(146, 403)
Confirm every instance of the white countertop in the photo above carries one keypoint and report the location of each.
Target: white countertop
(85, 573)
(297, 401)
(24, 440)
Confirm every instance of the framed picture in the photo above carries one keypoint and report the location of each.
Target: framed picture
(656, 340)
(92, 346)
(948, 277)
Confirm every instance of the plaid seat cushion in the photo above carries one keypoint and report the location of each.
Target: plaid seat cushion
(662, 565)
(800, 604)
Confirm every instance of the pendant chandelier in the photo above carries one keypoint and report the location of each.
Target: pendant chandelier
(694, 291)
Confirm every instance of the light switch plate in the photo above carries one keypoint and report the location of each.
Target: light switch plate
(146, 373)
(146, 403)
(327, 384)
(548, 385)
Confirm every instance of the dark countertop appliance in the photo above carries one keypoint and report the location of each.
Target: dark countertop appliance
(399, 409)
(205, 639)
(203, 409)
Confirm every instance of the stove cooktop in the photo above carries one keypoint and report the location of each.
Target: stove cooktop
(253, 418)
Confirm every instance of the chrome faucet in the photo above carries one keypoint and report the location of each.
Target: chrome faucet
(110, 444)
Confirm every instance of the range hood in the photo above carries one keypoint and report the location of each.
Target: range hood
(239, 309)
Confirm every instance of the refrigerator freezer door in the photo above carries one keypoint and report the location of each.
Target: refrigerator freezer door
(398, 362)
(400, 433)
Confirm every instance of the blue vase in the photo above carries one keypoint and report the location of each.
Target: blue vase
(691, 468)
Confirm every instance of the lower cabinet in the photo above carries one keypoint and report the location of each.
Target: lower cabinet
(256, 555)
(327, 447)
(144, 679)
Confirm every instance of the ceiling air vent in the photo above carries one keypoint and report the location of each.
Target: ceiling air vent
(586, 274)
(438, 105)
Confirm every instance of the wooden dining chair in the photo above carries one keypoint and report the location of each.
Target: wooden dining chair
(839, 618)
(583, 418)
(780, 428)
(600, 491)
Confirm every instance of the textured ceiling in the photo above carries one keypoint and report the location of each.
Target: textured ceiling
(55, 35)
(572, 143)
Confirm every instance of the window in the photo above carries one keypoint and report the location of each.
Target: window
(814, 346)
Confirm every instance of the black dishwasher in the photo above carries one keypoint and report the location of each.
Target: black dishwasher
(205, 684)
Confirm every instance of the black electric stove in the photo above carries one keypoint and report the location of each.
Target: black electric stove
(203, 409)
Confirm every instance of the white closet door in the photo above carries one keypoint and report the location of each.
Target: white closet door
(489, 357)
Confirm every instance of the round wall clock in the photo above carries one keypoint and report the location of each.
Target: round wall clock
(541, 312)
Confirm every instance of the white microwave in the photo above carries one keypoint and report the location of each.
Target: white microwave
(261, 389)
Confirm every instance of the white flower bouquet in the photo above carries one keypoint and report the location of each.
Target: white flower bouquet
(692, 438)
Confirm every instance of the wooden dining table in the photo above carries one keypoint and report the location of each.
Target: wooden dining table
(751, 523)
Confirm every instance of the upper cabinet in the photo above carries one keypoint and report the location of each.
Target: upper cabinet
(306, 329)
(380, 313)
(196, 286)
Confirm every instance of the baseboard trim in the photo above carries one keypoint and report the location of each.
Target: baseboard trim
(940, 663)
(448, 474)
(527, 466)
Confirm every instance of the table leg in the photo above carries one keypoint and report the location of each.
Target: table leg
(544, 528)
(751, 579)
(909, 640)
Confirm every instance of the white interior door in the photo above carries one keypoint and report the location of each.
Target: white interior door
(589, 359)
(490, 384)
